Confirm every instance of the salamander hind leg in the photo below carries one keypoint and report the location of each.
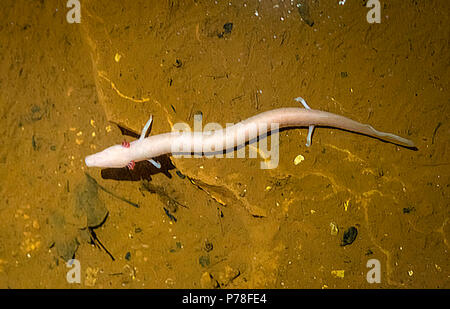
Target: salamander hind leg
(311, 127)
(309, 137)
(155, 163)
(301, 100)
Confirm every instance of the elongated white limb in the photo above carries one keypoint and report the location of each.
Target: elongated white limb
(311, 127)
(156, 164)
(301, 100)
(145, 129)
(309, 137)
(143, 134)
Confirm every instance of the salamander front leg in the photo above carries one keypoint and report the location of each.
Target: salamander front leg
(146, 127)
(155, 163)
(143, 134)
(311, 127)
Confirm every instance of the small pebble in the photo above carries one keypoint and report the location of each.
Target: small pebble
(338, 273)
(334, 228)
(227, 28)
(208, 246)
(298, 159)
(349, 236)
(178, 63)
(128, 256)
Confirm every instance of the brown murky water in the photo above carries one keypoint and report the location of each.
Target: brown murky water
(199, 222)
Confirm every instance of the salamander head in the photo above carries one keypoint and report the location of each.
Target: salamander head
(115, 156)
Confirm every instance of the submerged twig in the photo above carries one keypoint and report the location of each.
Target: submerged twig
(434, 132)
(97, 242)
